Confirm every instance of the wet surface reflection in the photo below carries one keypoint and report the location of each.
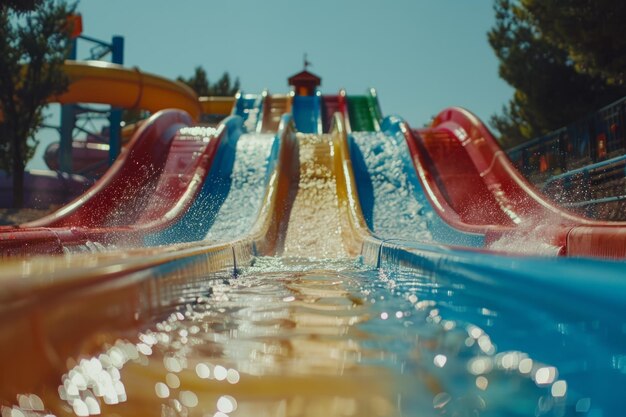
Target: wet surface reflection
(294, 337)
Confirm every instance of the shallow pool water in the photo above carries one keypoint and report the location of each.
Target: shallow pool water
(297, 337)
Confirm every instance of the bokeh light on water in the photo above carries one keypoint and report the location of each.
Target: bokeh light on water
(298, 337)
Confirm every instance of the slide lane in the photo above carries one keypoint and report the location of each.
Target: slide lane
(307, 113)
(393, 199)
(331, 105)
(326, 220)
(126, 291)
(274, 107)
(364, 113)
(126, 191)
(528, 215)
(120, 290)
(231, 196)
(250, 108)
(129, 205)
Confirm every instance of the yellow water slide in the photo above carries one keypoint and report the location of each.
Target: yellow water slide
(129, 88)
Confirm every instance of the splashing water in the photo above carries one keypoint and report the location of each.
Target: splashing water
(314, 227)
(394, 211)
(528, 238)
(231, 197)
(248, 181)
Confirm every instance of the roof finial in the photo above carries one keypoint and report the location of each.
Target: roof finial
(306, 62)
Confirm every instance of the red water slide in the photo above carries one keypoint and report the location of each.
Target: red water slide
(149, 186)
(331, 105)
(474, 187)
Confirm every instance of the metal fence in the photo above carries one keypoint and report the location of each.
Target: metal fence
(583, 165)
(596, 138)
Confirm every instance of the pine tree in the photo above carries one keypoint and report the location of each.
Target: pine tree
(199, 83)
(550, 91)
(592, 32)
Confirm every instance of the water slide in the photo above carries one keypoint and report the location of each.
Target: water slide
(274, 107)
(172, 163)
(506, 200)
(306, 112)
(393, 200)
(364, 112)
(473, 213)
(179, 194)
(332, 104)
(112, 293)
(461, 190)
(176, 189)
(128, 88)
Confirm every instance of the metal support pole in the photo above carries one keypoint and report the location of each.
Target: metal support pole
(68, 120)
(115, 116)
(117, 50)
(115, 134)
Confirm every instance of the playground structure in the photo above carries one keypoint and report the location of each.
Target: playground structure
(95, 81)
(99, 82)
(181, 204)
(127, 88)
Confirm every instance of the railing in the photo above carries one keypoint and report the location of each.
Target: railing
(596, 138)
(583, 165)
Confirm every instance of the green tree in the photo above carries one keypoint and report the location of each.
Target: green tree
(592, 32)
(33, 47)
(223, 86)
(549, 90)
(199, 82)
(20, 5)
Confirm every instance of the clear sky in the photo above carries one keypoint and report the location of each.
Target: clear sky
(421, 55)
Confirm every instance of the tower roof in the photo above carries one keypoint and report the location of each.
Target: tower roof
(304, 76)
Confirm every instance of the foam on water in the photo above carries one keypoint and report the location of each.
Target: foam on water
(231, 196)
(248, 181)
(314, 227)
(528, 238)
(395, 212)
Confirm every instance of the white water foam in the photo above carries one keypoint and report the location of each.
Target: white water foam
(238, 212)
(396, 212)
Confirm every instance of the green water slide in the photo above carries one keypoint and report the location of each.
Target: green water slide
(364, 112)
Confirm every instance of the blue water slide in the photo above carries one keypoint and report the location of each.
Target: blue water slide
(307, 113)
(250, 108)
(232, 191)
(392, 198)
(566, 313)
